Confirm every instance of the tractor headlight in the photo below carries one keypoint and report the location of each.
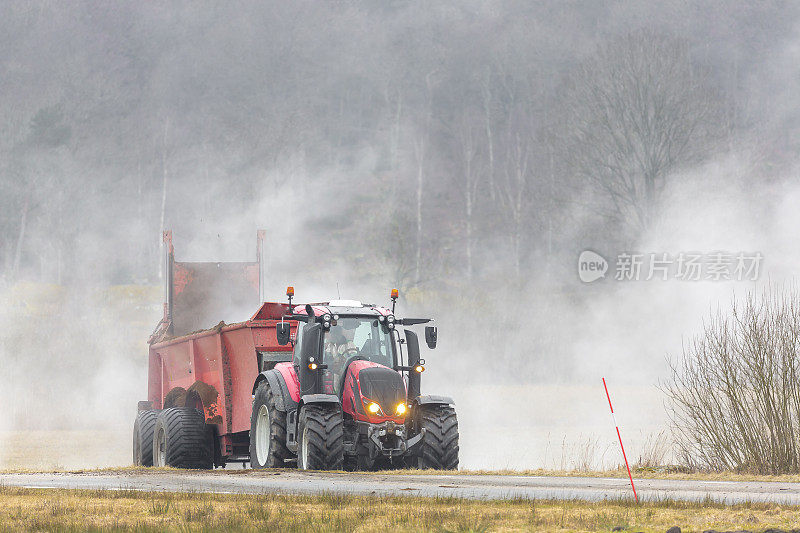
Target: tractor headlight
(401, 409)
(373, 408)
(326, 317)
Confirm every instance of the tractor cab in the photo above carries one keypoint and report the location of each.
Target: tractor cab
(351, 332)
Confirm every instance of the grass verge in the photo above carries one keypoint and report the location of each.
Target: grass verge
(123, 510)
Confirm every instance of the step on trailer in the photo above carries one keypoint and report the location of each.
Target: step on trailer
(329, 386)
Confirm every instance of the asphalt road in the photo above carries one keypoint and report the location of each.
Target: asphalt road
(464, 486)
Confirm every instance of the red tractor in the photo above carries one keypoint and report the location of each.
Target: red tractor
(329, 385)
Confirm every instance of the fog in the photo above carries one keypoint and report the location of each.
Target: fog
(464, 152)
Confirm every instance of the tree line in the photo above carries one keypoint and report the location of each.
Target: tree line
(455, 141)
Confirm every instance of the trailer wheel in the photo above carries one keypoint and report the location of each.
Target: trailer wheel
(320, 438)
(267, 431)
(182, 439)
(439, 446)
(143, 429)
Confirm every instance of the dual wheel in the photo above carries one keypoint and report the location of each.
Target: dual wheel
(177, 437)
(320, 438)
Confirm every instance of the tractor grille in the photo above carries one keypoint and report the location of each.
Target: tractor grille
(382, 385)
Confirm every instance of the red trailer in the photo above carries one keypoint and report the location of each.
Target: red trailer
(249, 392)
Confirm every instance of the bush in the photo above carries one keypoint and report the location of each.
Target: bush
(734, 393)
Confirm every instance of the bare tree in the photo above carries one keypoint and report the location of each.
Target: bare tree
(487, 97)
(511, 90)
(735, 390)
(421, 156)
(472, 174)
(513, 185)
(635, 112)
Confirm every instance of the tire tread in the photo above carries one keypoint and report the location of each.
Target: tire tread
(439, 446)
(143, 429)
(278, 451)
(325, 436)
(188, 440)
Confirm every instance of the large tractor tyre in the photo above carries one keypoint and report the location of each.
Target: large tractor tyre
(439, 446)
(143, 429)
(267, 431)
(182, 439)
(321, 438)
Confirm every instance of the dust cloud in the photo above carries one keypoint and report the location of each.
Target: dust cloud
(379, 146)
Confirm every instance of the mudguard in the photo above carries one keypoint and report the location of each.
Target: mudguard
(319, 398)
(428, 399)
(280, 391)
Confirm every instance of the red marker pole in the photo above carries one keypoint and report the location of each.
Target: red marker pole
(620, 441)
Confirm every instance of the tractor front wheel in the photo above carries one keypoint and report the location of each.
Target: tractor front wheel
(439, 446)
(321, 437)
(143, 429)
(182, 440)
(267, 431)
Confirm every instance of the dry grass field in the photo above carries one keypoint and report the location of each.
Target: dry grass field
(125, 510)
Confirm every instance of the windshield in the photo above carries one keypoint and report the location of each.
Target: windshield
(357, 337)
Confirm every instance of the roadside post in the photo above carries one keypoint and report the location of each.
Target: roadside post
(635, 497)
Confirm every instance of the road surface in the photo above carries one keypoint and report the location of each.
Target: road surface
(482, 487)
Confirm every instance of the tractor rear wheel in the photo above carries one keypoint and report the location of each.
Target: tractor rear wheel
(143, 429)
(320, 443)
(267, 431)
(439, 446)
(182, 439)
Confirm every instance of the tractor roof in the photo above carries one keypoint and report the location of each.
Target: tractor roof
(276, 311)
(344, 307)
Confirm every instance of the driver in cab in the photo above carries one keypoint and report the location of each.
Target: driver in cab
(339, 347)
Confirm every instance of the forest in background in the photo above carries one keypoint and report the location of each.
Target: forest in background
(407, 143)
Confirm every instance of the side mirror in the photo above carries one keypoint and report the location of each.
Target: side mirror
(282, 331)
(431, 333)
